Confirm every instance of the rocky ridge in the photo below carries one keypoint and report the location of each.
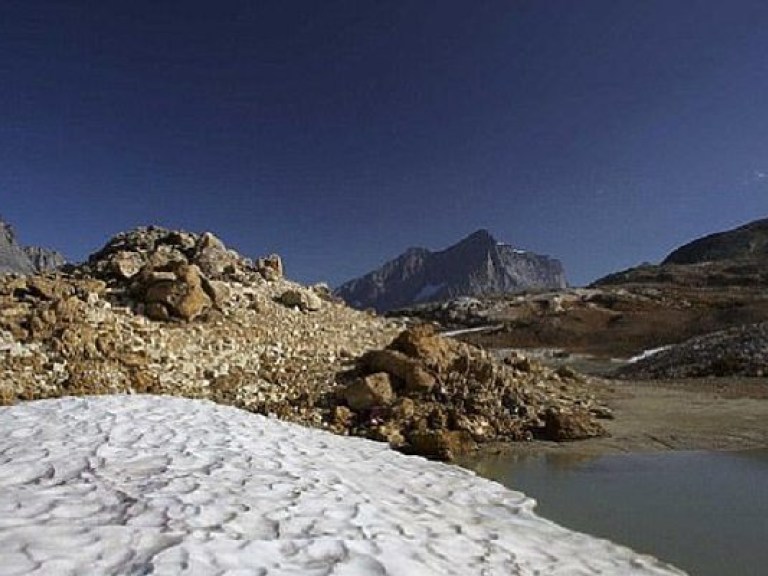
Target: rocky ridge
(736, 257)
(478, 265)
(747, 241)
(167, 312)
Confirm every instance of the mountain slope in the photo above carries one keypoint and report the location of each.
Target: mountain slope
(734, 257)
(748, 241)
(13, 259)
(477, 265)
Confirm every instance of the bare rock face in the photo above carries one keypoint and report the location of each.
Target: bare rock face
(476, 266)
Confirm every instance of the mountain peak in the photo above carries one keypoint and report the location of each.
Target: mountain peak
(479, 236)
(475, 266)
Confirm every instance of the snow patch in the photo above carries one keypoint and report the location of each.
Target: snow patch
(162, 485)
(428, 291)
(647, 354)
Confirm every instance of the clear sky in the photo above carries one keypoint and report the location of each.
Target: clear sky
(340, 132)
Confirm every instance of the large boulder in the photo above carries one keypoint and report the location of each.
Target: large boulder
(563, 426)
(174, 292)
(304, 300)
(373, 391)
(440, 444)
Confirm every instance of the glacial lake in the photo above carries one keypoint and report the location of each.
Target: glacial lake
(704, 512)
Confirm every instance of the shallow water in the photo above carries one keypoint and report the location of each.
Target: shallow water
(704, 512)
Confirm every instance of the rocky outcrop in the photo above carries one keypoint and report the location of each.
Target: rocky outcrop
(171, 274)
(437, 397)
(478, 265)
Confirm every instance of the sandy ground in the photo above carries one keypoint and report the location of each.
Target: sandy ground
(652, 416)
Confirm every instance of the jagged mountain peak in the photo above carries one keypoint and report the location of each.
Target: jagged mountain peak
(474, 266)
(482, 235)
(15, 259)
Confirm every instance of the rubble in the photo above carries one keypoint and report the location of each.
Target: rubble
(167, 312)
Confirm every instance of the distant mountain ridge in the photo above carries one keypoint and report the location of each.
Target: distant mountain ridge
(736, 257)
(477, 265)
(16, 259)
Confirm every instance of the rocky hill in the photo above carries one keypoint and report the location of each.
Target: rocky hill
(735, 257)
(478, 265)
(738, 351)
(745, 242)
(16, 259)
(169, 312)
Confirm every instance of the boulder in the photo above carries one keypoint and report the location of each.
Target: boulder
(213, 258)
(440, 444)
(418, 381)
(304, 300)
(270, 267)
(414, 377)
(179, 291)
(370, 392)
(125, 265)
(562, 426)
(424, 343)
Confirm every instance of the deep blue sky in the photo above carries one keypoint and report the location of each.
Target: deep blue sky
(340, 132)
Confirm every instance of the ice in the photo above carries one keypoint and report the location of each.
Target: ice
(161, 485)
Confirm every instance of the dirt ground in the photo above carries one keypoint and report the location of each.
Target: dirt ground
(653, 416)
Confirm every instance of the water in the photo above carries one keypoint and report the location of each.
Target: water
(704, 512)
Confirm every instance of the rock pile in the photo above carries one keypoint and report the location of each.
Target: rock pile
(165, 312)
(435, 396)
(740, 351)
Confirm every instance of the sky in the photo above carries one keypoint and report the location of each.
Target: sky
(338, 133)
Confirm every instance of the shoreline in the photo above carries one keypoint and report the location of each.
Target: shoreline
(664, 415)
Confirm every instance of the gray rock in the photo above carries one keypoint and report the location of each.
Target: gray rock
(44, 259)
(13, 259)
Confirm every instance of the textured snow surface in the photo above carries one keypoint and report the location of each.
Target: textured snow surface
(161, 485)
